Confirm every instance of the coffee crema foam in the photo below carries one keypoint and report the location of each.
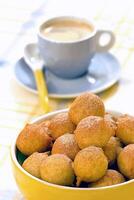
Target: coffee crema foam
(67, 30)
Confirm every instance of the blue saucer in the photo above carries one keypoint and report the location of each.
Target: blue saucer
(104, 71)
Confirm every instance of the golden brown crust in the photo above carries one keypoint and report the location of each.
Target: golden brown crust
(33, 162)
(110, 119)
(93, 130)
(61, 124)
(112, 177)
(66, 144)
(44, 123)
(126, 161)
(90, 164)
(33, 139)
(112, 149)
(125, 129)
(57, 169)
(86, 105)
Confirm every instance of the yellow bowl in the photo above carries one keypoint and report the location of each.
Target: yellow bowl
(35, 189)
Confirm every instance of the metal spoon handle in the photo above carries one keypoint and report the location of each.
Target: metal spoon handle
(42, 89)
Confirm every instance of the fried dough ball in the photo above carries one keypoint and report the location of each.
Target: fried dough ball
(125, 129)
(111, 121)
(112, 149)
(57, 169)
(33, 138)
(45, 123)
(86, 105)
(66, 144)
(112, 177)
(93, 130)
(90, 164)
(126, 161)
(111, 117)
(33, 162)
(61, 124)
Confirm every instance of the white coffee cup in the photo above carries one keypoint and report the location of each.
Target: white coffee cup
(71, 58)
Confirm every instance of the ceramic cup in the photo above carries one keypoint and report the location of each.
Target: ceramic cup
(71, 59)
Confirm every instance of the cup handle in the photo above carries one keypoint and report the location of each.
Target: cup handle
(106, 47)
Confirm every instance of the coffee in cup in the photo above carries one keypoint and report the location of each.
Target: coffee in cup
(67, 30)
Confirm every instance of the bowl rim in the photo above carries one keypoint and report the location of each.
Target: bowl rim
(45, 117)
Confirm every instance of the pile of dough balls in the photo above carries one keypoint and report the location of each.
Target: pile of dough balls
(84, 147)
